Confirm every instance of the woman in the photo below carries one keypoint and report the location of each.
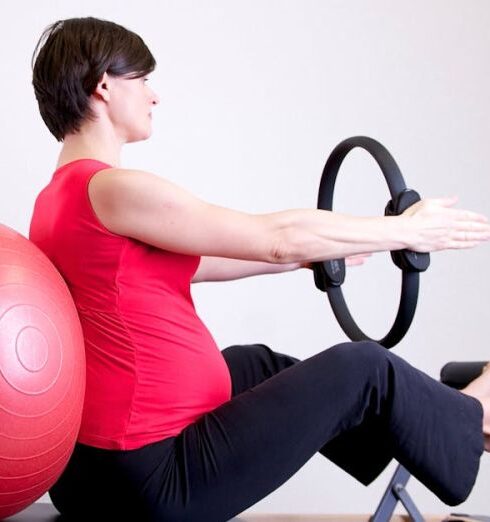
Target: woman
(173, 428)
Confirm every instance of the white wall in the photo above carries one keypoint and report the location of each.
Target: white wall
(254, 96)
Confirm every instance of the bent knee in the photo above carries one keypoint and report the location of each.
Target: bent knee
(356, 356)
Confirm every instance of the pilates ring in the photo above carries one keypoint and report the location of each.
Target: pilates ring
(329, 275)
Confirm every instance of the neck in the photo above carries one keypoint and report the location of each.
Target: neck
(93, 141)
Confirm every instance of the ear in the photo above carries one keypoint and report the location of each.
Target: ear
(102, 90)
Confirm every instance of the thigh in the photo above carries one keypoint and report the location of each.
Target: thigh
(364, 451)
(251, 364)
(243, 450)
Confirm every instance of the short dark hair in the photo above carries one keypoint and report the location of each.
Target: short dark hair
(75, 54)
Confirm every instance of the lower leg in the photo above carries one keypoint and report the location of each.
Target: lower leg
(427, 423)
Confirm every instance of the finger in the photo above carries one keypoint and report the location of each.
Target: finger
(458, 245)
(470, 235)
(357, 256)
(354, 262)
(468, 215)
(473, 230)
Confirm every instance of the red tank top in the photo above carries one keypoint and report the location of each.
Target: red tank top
(152, 365)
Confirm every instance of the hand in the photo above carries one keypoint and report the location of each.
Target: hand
(432, 226)
(357, 259)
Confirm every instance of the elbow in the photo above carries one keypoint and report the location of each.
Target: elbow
(279, 238)
(280, 251)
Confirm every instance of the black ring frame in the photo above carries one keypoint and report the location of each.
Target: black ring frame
(329, 275)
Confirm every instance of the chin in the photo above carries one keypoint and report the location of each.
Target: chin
(140, 137)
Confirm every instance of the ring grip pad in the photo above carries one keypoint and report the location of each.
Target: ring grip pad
(405, 259)
(328, 274)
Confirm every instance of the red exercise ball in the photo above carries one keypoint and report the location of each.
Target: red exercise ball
(42, 373)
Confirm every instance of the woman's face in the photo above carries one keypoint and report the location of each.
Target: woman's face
(130, 104)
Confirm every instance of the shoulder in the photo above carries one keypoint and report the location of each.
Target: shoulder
(118, 187)
(112, 182)
(110, 185)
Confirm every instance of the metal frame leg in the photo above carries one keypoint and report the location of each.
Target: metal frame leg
(396, 492)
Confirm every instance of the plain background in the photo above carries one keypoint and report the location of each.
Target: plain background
(254, 96)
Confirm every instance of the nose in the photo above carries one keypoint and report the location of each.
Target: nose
(155, 100)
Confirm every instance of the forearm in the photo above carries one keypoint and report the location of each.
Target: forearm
(309, 235)
(227, 269)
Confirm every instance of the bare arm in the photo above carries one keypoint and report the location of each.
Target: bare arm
(310, 235)
(149, 208)
(227, 269)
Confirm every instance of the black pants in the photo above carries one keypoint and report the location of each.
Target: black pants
(358, 404)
